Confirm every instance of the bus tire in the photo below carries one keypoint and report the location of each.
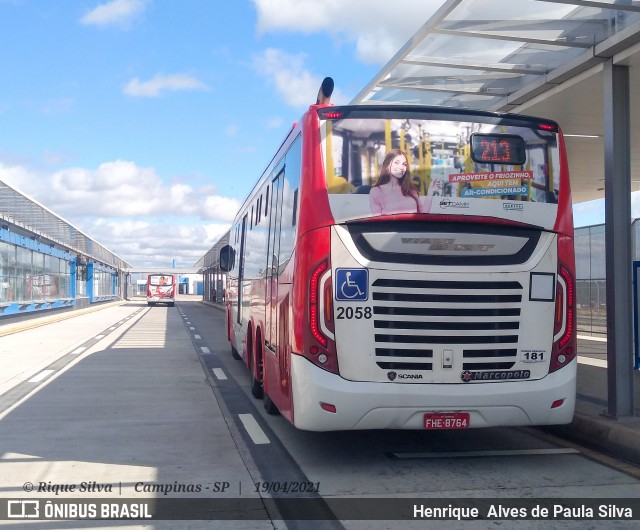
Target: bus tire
(256, 388)
(235, 354)
(171, 304)
(269, 405)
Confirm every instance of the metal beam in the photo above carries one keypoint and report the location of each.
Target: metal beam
(601, 5)
(167, 270)
(476, 65)
(617, 183)
(512, 38)
(451, 89)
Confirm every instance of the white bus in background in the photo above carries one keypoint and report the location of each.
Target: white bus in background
(161, 289)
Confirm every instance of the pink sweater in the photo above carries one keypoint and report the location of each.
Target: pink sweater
(389, 199)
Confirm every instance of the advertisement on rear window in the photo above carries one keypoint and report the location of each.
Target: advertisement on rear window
(378, 167)
(161, 280)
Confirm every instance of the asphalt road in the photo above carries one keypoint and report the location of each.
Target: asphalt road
(149, 401)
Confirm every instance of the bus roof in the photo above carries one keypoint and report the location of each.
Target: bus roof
(401, 111)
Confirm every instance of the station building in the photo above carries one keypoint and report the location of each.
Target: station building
(213, 278)
(47, 264)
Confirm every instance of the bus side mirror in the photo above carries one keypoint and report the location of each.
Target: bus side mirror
(227, 257)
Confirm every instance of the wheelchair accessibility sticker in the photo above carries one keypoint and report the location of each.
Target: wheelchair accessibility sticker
(352, 285)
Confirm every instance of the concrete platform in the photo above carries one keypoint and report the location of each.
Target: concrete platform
(592, 426)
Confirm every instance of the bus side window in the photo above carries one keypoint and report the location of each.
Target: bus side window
(266, 203)
(243, 238)
(295, 208)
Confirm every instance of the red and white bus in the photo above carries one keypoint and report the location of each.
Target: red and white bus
(161, 289)
(438, 295)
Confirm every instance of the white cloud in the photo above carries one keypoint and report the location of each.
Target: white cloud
(163, 83)
(122, 189)
(294, 14)
(589, 206)
(377, 28)
(274, 123)
(593, 212)
(15, 175)
(144, 243)
(130, 210)
(220, 208)
(379, 45)
(635, 204)
(286, 71)
(114, 13)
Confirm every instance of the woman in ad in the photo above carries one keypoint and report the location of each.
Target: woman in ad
(394, 191)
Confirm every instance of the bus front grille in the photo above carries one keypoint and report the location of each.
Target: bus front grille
(414, 318)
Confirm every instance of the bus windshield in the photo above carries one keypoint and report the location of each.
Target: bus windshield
(385, 163)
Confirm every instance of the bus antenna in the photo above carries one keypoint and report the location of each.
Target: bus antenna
(324, 94)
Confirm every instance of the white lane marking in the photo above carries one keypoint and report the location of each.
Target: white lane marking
(197, 337)
(191, 328)
(42, 375)
(188, 322)
(514, 452)
(112, 328)
(601, 363)
(219, 373)
(253, 429)
(99, 337)
(78, 351)
(205, 349)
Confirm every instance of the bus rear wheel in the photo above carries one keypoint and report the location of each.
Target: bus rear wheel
(269, 405)
(256, 388)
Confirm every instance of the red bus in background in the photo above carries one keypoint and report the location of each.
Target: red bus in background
(408, 267)
(161, 289)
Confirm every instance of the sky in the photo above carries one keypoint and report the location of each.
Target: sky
(145, 123)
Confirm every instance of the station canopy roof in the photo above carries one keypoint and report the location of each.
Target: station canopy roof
(539, 57)
(23, 212)
(211, 260)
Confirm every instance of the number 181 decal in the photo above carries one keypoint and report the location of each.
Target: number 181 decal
(533, 356)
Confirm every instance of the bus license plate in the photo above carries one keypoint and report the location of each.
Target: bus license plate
(446, 420)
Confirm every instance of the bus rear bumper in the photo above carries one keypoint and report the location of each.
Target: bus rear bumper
(378, 405)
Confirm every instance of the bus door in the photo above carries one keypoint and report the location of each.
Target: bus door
(240, 287)
(273, 252)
